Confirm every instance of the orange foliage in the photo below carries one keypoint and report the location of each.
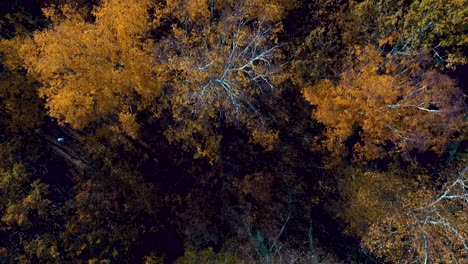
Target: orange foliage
(408, 107)
(211, 67)
(19, 103)
(222, 65)
(403, 219)
(93, 70)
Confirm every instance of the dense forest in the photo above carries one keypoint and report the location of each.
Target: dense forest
(233, 131)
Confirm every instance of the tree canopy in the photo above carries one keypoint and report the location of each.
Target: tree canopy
(220, 131)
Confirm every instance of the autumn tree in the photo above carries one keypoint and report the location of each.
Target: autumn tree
(208, 256)
(24, 195)
(41, 217)
(20, 105)
(24, 210)
(316, 48)
(95, 72)
(409, 27)
(19, 203)
(369, 21)
(216, 62)
(404, 218)
(406, 107)
(225, 60)
(440, 27)
(183, 125)
(99, 216)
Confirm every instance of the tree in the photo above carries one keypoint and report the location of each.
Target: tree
(235, 62)
(402, 108)
(19, 103)
(187, 124)
(405, 219)
(409, 27)
(225, 62)
(24, 209)
(208, 256)
(92, 72)
(215, 71)
(438, 26)
(369, 21)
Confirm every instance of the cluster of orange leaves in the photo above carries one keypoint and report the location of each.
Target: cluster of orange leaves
(389, 101)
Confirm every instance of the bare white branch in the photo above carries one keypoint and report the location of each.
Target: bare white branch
(251, 58)
(399, 133)
(457, 190)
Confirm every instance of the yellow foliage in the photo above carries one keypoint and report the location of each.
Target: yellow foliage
(98, 261)
(207, 255)
(368, 19)
(267, 139)
(9, 47)
(129, 124)
(371, 196)
(18, 212)
(19, 101)
(153, 258)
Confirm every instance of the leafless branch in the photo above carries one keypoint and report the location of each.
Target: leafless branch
(253, 59)
(458, 190)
